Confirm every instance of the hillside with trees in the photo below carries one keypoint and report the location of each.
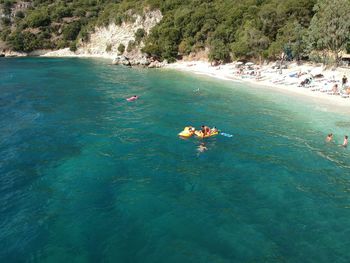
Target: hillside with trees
(225, 29)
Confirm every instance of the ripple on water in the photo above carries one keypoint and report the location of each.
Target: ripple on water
(87, 176)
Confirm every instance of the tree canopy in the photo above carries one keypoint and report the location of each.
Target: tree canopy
(225, 29)
(330, 26)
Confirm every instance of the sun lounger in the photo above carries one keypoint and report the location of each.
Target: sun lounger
(331, 92)
(344, 95)
(325, 89)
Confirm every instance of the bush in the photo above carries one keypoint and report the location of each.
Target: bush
(109, 48)
(118, 20)
(185, 47)
(24, 41)
(79, 12)
(38, 19)
(61, 12)
(62, 44)
(5, 21)
(4, 33)
(131, 46)
(84, 34)
(73, 46)
(121, 48)
(19, 14)
(71, 31)
(139, 34)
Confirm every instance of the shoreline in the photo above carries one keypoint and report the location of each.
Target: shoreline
(226, 72)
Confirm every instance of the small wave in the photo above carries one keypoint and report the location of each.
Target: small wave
(343, 124)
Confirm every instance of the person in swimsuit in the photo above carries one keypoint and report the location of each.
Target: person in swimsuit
(345, 143)
(191, 130)
(205, 130)
(201, 148)
(344, 80)
(329, 137)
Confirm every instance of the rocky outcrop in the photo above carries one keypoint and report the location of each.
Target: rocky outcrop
(157, 64)
(121, 60)
(140, 61)
(104, 42)
(10, 53)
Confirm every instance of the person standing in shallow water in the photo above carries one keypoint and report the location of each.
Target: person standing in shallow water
(345, 143)
(329, 137)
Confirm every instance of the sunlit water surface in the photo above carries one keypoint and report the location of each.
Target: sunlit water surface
(87, 177)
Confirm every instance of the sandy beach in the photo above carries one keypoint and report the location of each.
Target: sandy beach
(320, 89)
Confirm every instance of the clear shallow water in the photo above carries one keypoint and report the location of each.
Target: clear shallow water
(87, 177)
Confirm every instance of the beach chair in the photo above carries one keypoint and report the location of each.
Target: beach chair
(315, 88)
(331, 92)
(344, 95)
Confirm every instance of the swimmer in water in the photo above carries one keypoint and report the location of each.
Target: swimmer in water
(345, 143)
(191, 130)
(202, 148)
(329, 137)
(132, 98)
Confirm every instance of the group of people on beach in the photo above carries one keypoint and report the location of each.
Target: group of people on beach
(344, 85)
(302, 78)
(329, 138)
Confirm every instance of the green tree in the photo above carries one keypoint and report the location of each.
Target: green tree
(219, 51)
(71, 31)
(25, 41)
(250, 42)
(186, 45)
(330, 26)
(38, 18)
(289, 37)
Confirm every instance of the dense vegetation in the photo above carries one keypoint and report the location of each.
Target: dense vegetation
(228, 29)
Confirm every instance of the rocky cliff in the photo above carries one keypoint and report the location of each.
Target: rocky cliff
(105, 41)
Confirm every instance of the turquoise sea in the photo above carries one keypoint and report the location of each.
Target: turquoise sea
(86, 176)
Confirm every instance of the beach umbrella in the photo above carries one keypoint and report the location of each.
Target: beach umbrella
(239, 64)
